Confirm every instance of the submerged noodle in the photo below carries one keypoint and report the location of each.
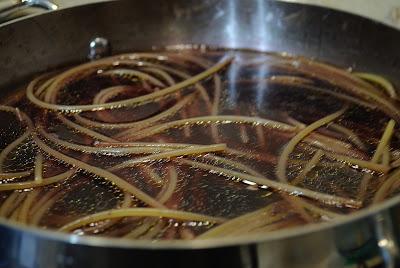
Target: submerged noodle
(197, 145)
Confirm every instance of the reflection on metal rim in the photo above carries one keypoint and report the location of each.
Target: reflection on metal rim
(206, 243)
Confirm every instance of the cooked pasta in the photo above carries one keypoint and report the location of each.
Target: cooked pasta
(189, 144)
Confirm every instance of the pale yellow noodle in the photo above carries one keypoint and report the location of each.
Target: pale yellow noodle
(217, 95)
(252, 227)
(215, 106)
(10, 109)
(243, 134)
(14, 214)
(26, 205)
(347, 82)
(345, 97)
(380, 80)
(288, 79)
(144, 144)
(198, 86)
(383, 143)
(310, 165)
(10, 201)
(4, 153)
(85, 130)
(141, 123)
(121, 150)
(91, 67)
(108, 93)
(14, 175)
(332, 144)
(359, 163)
(38, 212)
(34, 183)
(385, 140)
(260, 136)
(44, 86)
(19, 114)
(119, 182)
(284, 157)
(394, 187)
(186, 234)
(14, 209)
(154, 230)
(47, 201)
(161, 73)
(395, 163)
(325, 142)
(140, 75)
(171, 154)
(386, 156)
(277, 225)
(129, 102)
(317, 210)
(385, 189)
(349, 134)
(171, 82)
(139, 212)
(218, 119)
(334, 149)
(170, 186)
(243, 223)
(126, 203)
(44, 197)
(10, 147)
(152, 174)
(233, 164)
(39, 168)
(279, 186)
(290, 199)
(294, 122)
(141, 229)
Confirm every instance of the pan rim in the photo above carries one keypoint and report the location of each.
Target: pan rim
(198, 244)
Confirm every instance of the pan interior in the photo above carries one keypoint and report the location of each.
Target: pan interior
(229, 132)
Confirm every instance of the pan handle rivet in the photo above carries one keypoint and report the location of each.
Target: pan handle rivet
(99, 47)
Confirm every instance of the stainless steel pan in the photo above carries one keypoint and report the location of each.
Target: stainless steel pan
(39, 43)
(10, 9)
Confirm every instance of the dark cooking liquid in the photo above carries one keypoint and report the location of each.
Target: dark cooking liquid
(244, 92)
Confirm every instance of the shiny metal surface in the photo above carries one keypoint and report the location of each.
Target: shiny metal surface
(8, 8)
(28, 47)
(99, 47)
(386, 239)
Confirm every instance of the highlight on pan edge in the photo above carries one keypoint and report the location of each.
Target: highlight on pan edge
(196, 144)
